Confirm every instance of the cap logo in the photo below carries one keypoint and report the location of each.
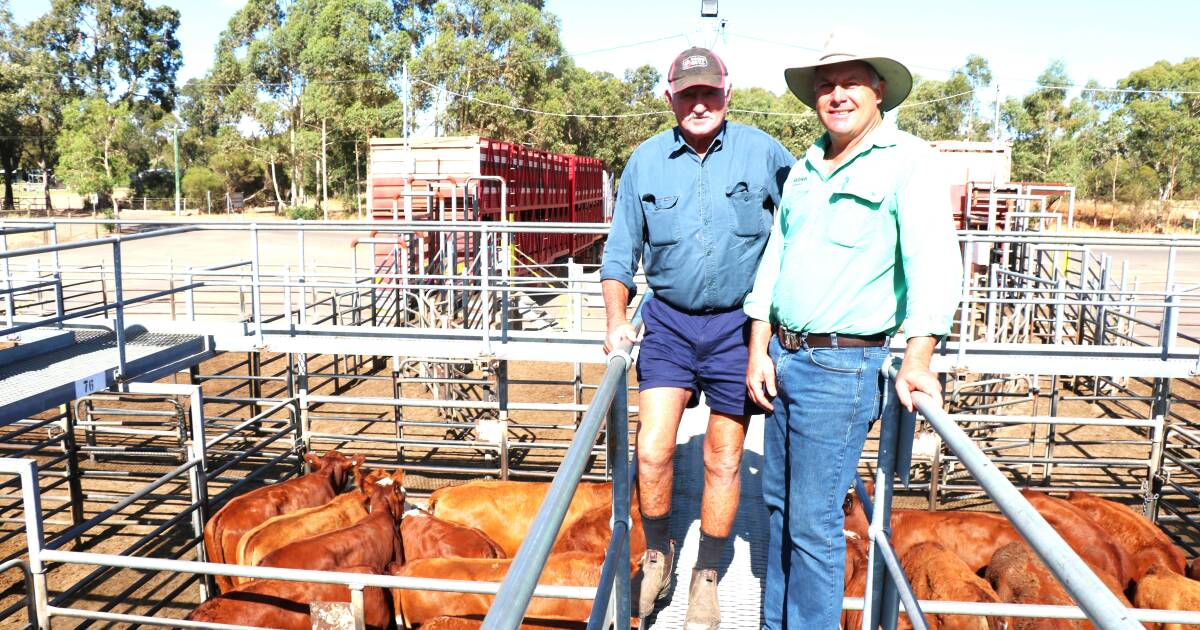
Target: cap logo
(695, 61)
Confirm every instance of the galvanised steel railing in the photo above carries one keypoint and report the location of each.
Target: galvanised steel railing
(888, 585)
(612, 602)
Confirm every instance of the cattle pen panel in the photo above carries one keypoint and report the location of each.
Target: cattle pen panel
(340, 344)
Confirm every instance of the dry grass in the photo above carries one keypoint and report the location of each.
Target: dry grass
(1173, 217)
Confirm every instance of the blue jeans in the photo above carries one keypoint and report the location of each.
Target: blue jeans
(826, 401)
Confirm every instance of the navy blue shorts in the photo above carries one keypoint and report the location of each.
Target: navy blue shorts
(704, 352)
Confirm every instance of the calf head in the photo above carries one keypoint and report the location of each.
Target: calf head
(387, 501)
(335, 465)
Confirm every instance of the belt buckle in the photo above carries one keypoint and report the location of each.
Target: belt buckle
(789, 339)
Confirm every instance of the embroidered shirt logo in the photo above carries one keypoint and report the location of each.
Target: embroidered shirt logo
(695, 61)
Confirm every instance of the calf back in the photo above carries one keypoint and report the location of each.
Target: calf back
(372, 542)
(280, 531)
(972, 536)
(1165, 589)
(938, 573)
(504, 510)
(1019, 577)
(1082, 534)
(1143, 543)
(427, 536)
(415, 607)
(592, 532)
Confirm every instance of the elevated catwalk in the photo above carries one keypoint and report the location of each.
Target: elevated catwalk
(45, 368)
(744, 565)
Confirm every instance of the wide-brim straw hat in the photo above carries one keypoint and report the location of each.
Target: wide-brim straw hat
(840, 50)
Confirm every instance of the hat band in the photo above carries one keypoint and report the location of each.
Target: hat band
(836, 55)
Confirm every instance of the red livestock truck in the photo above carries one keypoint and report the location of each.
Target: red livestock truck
(456, 178)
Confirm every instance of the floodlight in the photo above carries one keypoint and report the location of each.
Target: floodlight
(708, 8)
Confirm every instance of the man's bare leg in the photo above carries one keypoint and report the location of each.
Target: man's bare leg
(660, 410)
(723, 444)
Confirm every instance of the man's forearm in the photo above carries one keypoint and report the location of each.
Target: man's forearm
(616, 301)
(919, 351)
(760, 336)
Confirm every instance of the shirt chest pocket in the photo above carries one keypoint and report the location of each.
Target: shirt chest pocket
(746, 206)
(662, 219)
(856, 212)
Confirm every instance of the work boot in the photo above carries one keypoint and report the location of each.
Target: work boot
(703, 612)
(656, 578)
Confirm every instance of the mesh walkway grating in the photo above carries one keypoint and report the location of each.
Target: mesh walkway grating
(30, 386)
(744, 565)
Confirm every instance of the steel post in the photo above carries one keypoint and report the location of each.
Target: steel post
(119, 296)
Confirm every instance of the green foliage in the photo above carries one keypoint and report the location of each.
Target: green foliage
(67, 66)
(120, 49)
(1163, 130)
(199, 182)
(96, 146)
(304, 213)
(796, 127)
(950, 109)
(88, 90)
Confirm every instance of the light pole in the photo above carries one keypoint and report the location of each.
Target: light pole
(175, 137)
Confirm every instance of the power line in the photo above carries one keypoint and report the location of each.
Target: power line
(1034, 82)
(935, 100)
(530, 110)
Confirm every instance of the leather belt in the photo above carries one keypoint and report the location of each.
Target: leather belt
(792, 340)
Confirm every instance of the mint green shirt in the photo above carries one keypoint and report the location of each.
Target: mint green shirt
(865, 249)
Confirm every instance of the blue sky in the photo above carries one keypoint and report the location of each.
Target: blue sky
(1098, 39)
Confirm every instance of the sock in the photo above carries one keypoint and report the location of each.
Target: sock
(711, 548)
(655, 528)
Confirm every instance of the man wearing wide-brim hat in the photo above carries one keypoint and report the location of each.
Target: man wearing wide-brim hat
(861, 249)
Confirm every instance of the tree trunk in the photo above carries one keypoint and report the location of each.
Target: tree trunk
(275, 185)
(357, 183)
(324, 173)
(8, 185)
(295, 163)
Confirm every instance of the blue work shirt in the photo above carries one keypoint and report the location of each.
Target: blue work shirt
(698, 225)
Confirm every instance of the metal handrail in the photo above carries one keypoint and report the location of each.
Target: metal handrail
(610, 401)
(1094, 598)
(30, 606)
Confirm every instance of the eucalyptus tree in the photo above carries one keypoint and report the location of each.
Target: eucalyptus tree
(316, 72)
(948, 109)
(1162, 110)
(505, 53)
(12, 73)
(83, 57)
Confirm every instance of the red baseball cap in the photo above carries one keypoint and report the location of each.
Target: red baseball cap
(696, 66)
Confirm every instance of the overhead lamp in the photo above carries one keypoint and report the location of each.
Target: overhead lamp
(708, 8)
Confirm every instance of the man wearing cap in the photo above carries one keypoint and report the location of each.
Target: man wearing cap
(694, 208)
(862, 246)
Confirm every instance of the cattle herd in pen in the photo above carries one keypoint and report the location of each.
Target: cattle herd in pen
(468, 532)
(471, 532)
(980, 557)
